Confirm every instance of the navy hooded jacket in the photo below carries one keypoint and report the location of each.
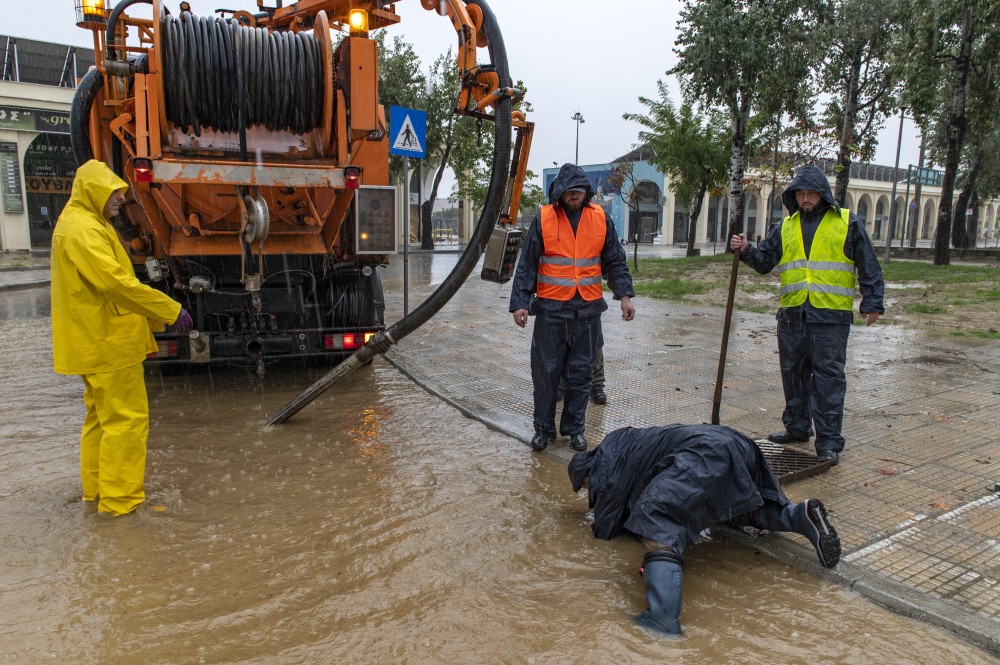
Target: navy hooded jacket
(857, 247)
(614, 263)
(670, 483)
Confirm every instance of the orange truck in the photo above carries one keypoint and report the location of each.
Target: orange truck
(257, 155)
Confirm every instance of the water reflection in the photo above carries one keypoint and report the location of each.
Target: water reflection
(24, 304)
(379, 525)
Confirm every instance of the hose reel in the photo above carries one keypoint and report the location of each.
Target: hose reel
(221, 74)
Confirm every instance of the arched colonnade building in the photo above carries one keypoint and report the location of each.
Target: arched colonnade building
(657, 216)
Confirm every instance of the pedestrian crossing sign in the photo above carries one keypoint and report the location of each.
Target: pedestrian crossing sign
(407, 132)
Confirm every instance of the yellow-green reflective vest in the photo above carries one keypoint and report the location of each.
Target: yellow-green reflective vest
(826, 278)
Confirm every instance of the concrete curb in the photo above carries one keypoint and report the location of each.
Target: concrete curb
(24, 286)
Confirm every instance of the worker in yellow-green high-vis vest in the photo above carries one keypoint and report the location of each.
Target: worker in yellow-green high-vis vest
(821, 250)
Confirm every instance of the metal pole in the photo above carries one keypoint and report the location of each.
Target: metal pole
(906, 203)
(406, 236)
(892, 207)
(576, 157)
(578, 117)
(915, 228)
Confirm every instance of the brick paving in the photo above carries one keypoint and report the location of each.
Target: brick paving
(914, 498)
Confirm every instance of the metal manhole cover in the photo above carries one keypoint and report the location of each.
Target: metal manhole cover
(791, 465)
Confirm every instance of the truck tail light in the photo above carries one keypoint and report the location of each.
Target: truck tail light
(346, 342)
(166, 349)
(143, 170)
(352, 177)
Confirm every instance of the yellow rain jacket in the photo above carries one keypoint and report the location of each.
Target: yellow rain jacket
(100, 312)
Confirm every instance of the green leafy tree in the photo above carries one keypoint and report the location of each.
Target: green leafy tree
(746, 55)
(981, 154)
(472, 161)
(622, 179)
(442, 124)
(857, 71)
(780, 144)
(400, 83)
(946, 44)
(691, 150)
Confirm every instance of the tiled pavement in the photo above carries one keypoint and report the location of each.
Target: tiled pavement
(915, 497)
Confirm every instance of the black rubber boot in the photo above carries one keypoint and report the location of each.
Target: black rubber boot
(663, 574)
(541, 441)
(809, 519)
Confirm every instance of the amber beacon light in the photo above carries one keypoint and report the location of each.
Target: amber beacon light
(358, 19)
(90, 14)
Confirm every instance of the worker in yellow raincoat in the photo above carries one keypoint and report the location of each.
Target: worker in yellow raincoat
(101, 330)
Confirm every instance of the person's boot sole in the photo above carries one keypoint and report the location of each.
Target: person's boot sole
(827, 541)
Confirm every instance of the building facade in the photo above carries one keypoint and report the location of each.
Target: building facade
(650, 210)
(37, 83)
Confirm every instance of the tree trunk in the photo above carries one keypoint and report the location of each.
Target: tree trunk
(635, 253)
(427, 207)
(960, 222)
(774, 177)
(740, 117)
(695, 208)
(847, 135)
(956, 137)
(974, 218)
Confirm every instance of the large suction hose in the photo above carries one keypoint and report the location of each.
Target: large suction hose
(381, 342)
(110, 38)
(79, 115)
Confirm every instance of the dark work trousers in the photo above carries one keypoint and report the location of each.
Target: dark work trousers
(812, 357)
(556, 345)
(596, 374)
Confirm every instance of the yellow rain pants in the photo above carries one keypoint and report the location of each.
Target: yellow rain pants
(113, 443)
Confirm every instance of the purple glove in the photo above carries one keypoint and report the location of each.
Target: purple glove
(184, 322)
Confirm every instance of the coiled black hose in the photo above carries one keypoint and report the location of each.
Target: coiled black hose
(221, 74)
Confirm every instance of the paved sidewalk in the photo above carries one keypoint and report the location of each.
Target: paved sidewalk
(915, 497)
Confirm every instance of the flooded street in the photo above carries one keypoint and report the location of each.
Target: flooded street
(379, 525)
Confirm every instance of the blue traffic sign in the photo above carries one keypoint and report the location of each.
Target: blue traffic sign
(407, 132)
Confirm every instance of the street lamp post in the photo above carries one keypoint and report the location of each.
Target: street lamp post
(892, 206)
(578, 117)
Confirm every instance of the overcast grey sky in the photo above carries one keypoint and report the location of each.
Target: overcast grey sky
(572, 55)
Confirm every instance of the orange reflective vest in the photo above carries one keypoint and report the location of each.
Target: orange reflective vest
(571, 262)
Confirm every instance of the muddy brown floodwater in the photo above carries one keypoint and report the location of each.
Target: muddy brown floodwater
(379, 525)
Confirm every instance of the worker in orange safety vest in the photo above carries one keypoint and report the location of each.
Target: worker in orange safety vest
(567, 248)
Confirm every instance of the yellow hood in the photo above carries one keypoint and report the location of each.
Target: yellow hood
(93, 186)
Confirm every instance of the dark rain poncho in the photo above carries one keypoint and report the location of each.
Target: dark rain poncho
(857, 247)
(670, 483)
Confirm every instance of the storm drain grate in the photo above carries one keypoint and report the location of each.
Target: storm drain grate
(791, 465)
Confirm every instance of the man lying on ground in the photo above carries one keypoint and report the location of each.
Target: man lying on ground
(665, 485)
